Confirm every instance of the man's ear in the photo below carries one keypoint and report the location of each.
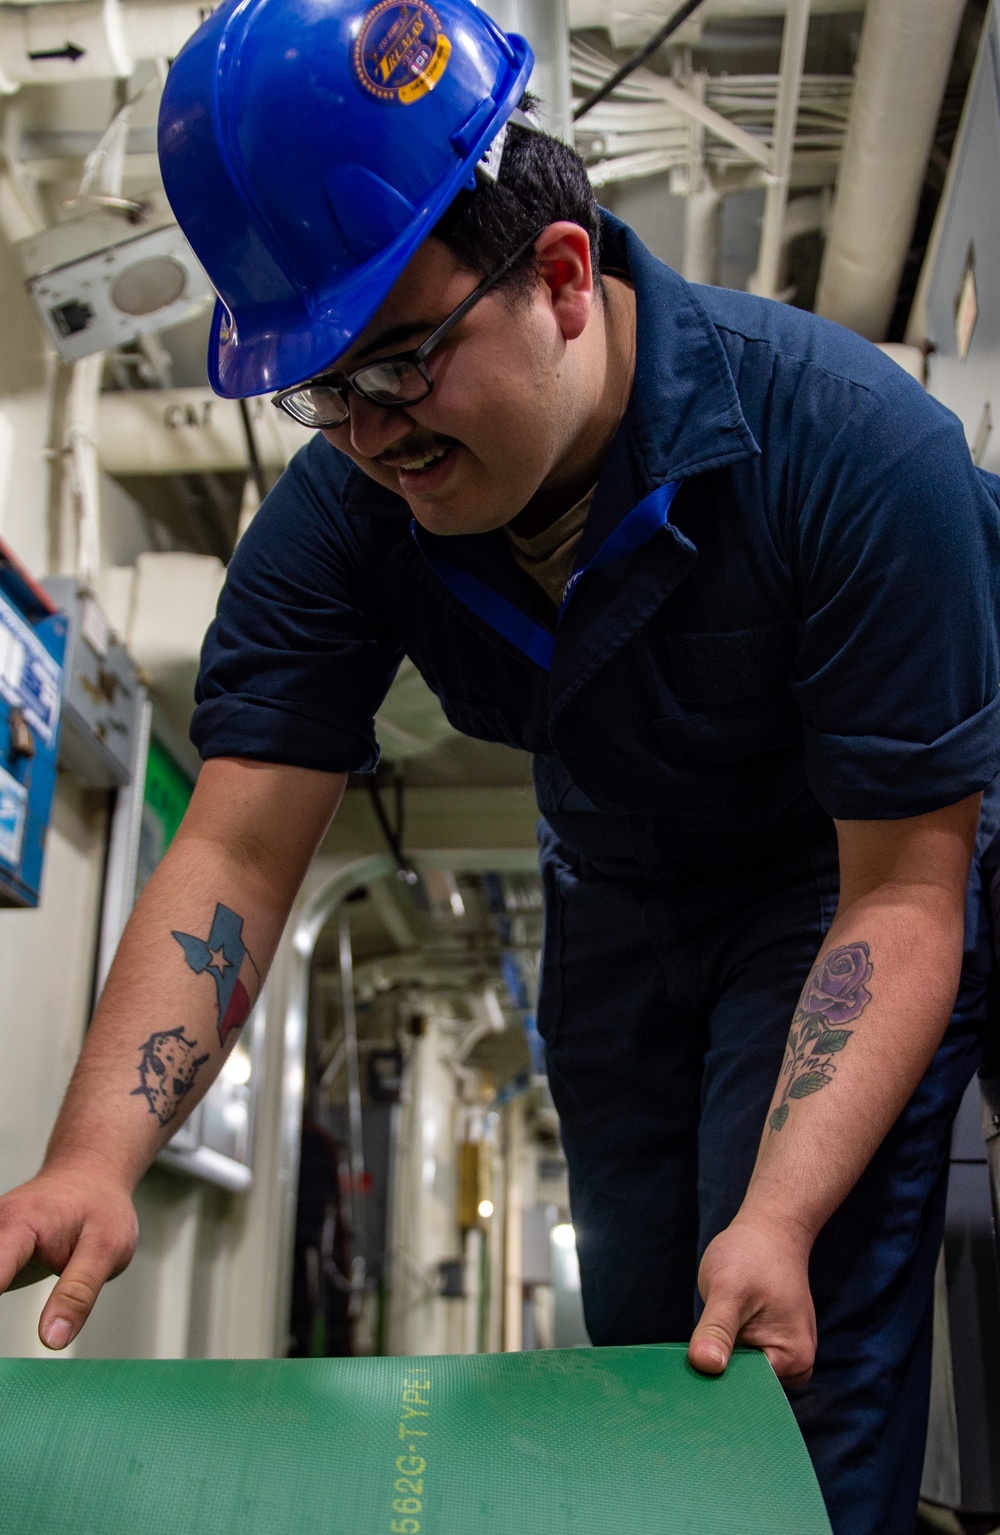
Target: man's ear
(563, 254)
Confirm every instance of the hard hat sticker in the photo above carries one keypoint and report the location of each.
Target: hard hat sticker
(400, 53)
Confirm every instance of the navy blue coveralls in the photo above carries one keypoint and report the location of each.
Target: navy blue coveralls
(802, 626)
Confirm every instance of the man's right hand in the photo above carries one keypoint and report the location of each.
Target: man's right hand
(75, 1219)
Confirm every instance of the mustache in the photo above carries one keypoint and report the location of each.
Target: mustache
(412, 447)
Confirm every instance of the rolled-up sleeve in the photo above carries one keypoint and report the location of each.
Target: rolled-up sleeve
(897, 670)
(298, 658)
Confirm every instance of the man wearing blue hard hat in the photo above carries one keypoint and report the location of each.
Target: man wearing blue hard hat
(722, 568)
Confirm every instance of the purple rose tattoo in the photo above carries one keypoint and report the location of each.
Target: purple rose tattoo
(837, 988)
(835, 993)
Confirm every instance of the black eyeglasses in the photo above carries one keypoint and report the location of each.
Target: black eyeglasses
(391, 382)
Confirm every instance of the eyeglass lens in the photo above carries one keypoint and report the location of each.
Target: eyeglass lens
(384, 383)
(318, 405)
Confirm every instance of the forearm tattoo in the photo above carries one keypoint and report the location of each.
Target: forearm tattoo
(167, 1069)
(227, 959)
(835, 994)
(168, 1063)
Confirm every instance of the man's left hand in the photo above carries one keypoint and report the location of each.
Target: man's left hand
(754, 1280)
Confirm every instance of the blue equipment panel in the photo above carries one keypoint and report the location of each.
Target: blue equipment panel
(32, 643)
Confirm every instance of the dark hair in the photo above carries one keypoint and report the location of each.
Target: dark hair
(541, 181)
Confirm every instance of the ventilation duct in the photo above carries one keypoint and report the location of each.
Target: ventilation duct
(53, 43)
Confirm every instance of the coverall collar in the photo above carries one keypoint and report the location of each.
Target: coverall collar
(684, 411)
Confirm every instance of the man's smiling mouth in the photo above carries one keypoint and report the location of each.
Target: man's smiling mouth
(407, 458)
(424, 469)
(411, 465)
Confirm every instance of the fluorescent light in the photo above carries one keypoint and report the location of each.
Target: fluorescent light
(238, 1068)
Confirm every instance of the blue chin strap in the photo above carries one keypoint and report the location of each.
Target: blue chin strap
(531, 638)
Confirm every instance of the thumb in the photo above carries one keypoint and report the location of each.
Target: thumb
(17, 1260)
(72, 1300)
(714, 1338)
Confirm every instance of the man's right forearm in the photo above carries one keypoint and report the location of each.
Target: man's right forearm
(187, 973)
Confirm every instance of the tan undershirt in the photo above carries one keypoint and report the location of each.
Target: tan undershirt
(548, 556)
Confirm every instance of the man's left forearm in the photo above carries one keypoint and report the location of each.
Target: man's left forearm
(869, 1020)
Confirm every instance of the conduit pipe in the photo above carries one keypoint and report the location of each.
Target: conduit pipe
(513, 1255)
(803, 215)
(702, 234)
(793, 57)
(52, 43)
(106, 165)
(354, 1126)
(903, 67)
(84, 477)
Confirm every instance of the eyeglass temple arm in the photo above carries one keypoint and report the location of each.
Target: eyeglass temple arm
(435, 336)
(473, 298)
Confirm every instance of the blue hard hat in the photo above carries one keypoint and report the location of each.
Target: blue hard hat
(307, 148)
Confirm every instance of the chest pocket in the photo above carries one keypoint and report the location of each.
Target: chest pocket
(731, 696)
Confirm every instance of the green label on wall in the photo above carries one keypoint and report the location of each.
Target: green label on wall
(166, 796)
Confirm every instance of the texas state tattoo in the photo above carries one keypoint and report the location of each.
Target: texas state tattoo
(835, 993)
(167, 1069)
(227, 959)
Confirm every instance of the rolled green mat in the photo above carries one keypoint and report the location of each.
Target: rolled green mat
(613, 1441)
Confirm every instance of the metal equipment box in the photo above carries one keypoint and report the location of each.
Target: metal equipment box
(32, 642)
(100, 280)
(102, 693)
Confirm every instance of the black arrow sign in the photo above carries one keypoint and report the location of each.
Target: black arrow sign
(70, 52)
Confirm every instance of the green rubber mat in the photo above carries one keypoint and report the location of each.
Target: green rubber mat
(625, 1441)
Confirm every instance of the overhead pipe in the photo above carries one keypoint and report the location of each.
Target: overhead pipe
(903, 67)
(545, 24)
(672, 24)
(648, 87)
(628, 25)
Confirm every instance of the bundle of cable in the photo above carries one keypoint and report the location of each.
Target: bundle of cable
(611, 1441)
